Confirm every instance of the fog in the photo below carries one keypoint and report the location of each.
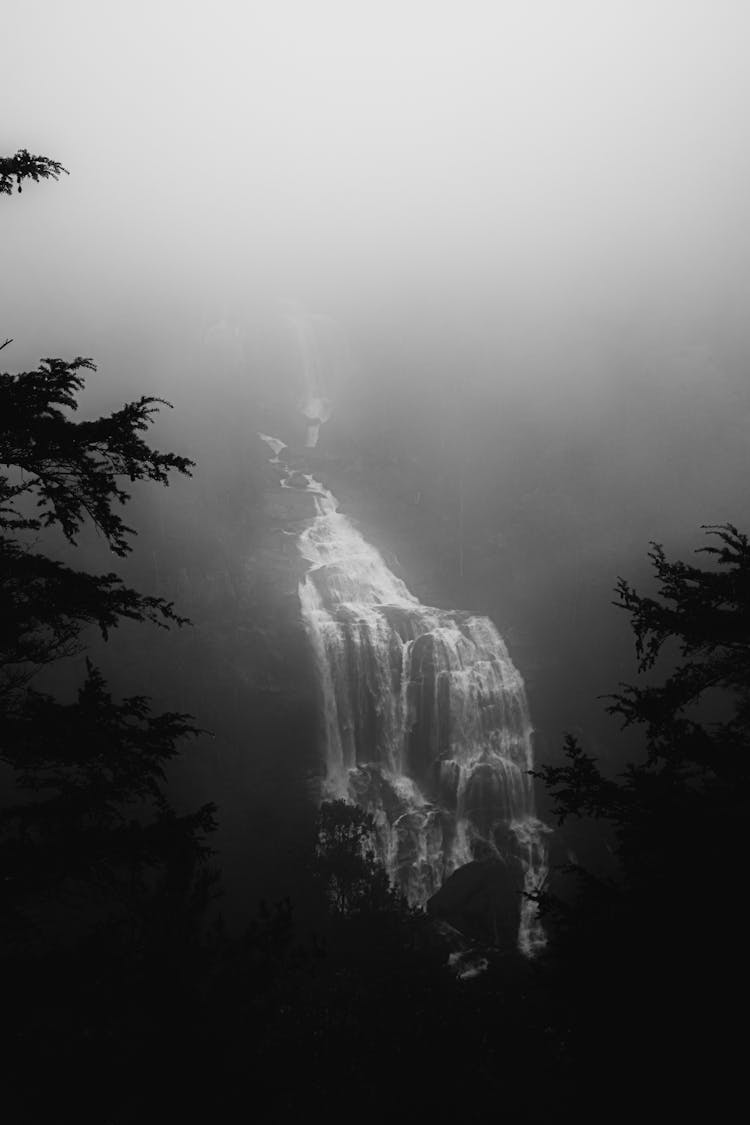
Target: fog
(529, 220)
(560, 171)
(451, 303)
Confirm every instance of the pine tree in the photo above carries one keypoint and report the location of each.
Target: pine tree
(23, 166)
(647, 961)
(684, 798)
(88, 815)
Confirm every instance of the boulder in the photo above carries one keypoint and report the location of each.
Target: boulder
(482, 900)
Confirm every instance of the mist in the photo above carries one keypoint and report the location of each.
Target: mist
(450, 303)
(528, 221)
(560, 172)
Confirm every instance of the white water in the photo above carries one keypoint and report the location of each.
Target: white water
(426, 723)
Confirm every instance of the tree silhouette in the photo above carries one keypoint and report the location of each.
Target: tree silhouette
(345, 866)
(23, 166)
(696, 721)
(645, 958)
(89, 809)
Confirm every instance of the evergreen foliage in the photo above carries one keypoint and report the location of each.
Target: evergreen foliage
(679, 807)
(644, 961)
(23, 166)
(345, 867)
(88, 815)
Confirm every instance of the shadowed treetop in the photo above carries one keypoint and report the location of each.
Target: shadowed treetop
(72, 469)
(99, 818)
(24, 166)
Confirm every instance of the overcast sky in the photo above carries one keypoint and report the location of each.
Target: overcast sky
(553, 168)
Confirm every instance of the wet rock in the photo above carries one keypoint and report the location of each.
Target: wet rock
(482, 900)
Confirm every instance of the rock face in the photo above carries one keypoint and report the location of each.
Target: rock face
(482, 900)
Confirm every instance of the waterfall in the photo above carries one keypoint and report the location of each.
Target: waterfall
(321, 346)
(426, 723)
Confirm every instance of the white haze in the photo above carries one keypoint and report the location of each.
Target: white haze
(548, 191)
(530, 219)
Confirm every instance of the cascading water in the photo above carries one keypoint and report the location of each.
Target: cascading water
(426, 720)
(324, 357)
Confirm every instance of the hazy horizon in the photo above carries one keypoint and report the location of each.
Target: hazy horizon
(540, 207)
(538, 174)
